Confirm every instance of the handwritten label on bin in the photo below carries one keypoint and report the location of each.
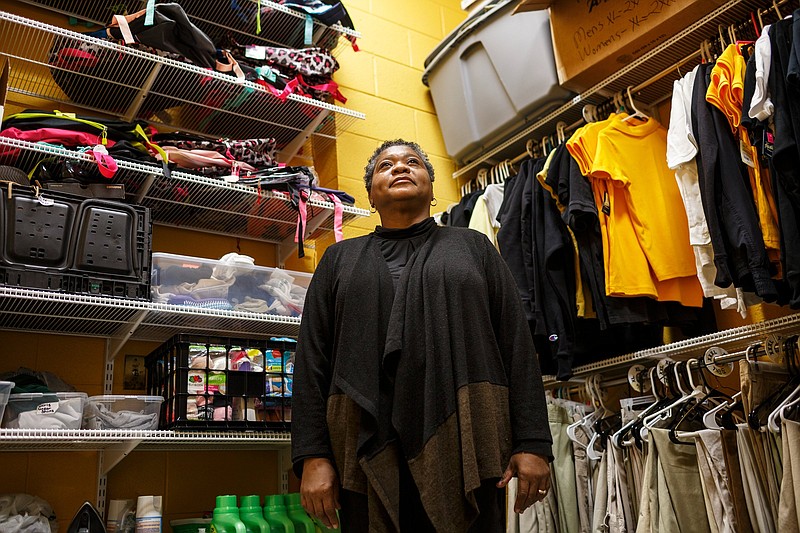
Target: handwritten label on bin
(47, 408)
(605, 24)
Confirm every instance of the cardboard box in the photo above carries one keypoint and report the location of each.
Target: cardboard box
(592, 39)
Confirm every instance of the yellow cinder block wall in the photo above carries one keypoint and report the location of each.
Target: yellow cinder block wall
(384, 81)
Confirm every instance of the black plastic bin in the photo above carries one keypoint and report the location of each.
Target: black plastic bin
(63, 242)
(217, 383)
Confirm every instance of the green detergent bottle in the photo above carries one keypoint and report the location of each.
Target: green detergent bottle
(226, 516)
(252, 516)
(298, 516)
(275, 514)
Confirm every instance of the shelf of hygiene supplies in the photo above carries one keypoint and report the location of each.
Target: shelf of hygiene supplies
(45, 440)
(280, 25)
(42, 311)
(128, 82)
(197, 202)
(730, 339)
(664, 64)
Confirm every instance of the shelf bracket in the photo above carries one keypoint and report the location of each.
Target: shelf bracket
(148, 182)
(284, 464)
(113, 346)
(133, 109)
(288, 246)
(291, 149)
(111, 456)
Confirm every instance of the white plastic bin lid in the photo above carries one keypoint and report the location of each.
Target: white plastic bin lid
(117, 397)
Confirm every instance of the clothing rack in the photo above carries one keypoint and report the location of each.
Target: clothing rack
(734, 341)
(648, 74)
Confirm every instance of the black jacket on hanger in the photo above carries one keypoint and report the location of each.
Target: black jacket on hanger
(739, 251)
(785, 163)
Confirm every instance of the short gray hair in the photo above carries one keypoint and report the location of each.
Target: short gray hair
(369, 170)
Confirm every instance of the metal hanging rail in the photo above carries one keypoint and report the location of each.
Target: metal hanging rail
(280, 25)
(730, 339)
(133, 83)
(654, 65)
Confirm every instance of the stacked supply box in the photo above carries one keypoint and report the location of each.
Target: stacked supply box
(222, 383)
(228, 285)
(68, 243)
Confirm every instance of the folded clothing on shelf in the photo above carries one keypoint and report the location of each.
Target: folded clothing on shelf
(37, 410)
(128, 412)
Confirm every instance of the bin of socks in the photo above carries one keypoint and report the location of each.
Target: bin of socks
(114, 411)
(222, 382)
(233, 282)
(45, 410)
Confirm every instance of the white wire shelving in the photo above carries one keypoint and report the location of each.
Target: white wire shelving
(197, 202)
(667, 58)
(119, 319)
(280, 25)
(29, 440)
(129, 82)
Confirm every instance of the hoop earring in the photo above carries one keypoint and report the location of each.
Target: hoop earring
(434, 202)
(372, 209)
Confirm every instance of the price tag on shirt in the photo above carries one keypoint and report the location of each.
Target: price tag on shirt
(747, 155)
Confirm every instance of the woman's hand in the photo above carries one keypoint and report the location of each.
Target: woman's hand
(533, 473)
(319, 490)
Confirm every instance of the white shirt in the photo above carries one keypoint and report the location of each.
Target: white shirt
(761, 106)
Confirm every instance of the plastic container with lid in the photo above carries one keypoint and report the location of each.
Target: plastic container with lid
(122, 412)
(5, 392)
(275, 514)
(226, 516)
(51, 410)
(299, 517)
(225, 285)
(252, 516)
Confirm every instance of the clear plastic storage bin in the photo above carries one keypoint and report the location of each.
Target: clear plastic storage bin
(52, 410)
(213, 284)
(122, 412)
(5, 392)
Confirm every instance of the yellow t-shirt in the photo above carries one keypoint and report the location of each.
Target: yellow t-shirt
(726, 88)
(643, 223)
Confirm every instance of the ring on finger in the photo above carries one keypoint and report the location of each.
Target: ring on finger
(542, 492)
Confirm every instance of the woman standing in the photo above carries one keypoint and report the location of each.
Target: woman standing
(417, 395)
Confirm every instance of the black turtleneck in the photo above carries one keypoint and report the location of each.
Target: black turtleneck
(398, 245)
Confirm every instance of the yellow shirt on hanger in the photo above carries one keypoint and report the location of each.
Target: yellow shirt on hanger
(643, 224)
(726, 89)
(627, 272)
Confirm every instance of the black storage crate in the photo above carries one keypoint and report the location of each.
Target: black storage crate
(68, 243)
(222, 383)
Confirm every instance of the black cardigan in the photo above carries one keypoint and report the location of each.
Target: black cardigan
(455, 324)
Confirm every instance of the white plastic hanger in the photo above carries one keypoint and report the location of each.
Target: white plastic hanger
(637, 113)
(776, 416)
(710, 417)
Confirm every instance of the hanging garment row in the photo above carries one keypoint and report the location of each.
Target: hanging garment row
(688, 457)
(627, 227)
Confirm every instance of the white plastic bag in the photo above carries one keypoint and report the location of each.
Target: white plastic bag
(23, 513)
